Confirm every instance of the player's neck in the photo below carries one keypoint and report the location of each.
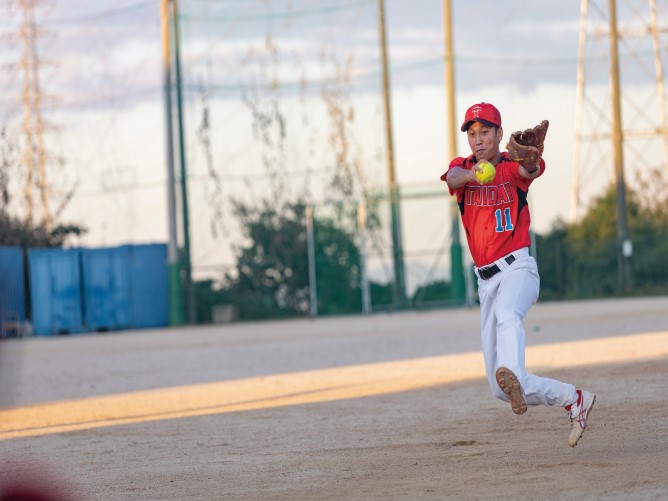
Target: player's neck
(495, 159)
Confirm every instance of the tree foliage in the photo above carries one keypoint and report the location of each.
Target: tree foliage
(581, 260)
(436, 291)
(15, 232)
(272, 269)
(271, 278)
(339, 281)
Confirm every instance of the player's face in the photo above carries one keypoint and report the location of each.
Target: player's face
(484, 141)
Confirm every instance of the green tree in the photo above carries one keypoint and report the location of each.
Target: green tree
(15, 232)
(272, 276)
(650, 236)
(272, 270)
(207, 295)
(593, 249)
(382, 296)
(553, 260)
(438, 290)
(337, 269)
(580, 260)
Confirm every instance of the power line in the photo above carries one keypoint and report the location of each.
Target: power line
(273, 15)
(105, 14)
(160, 183)
(366, 75)
(425, 63)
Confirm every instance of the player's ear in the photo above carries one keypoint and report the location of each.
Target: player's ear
(499, 134)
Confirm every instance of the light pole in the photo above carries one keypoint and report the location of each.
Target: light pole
(395, 209)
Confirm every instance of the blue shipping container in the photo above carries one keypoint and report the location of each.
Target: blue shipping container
(106, 289)
(77, 290)
(12, 291)
(149, 285)
(125, 287)
(55, 291)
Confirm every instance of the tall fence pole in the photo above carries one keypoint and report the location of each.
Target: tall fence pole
(624, 248)
(457, 281)
(395, 209)
(176, 314)
(187, 268)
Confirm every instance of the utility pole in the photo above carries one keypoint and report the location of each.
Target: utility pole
(176, 315)
(457, 283)
(187, 267)
(579, 99)
(395, 208)
(660, 89)
(624, 248)
(593, 115)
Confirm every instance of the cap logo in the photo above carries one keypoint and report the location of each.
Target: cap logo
(476, 111)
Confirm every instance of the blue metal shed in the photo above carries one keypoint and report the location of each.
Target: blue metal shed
(55, 291)
(12, 291)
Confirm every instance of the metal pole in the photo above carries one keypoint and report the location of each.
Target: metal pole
(364, 277)
(189, 291)
(579, 103)
(173, 267)
(468, 278)
(623, 244)
(450, 78)
(660, 89)
(395, 212)
(457, 283)
(310, 242)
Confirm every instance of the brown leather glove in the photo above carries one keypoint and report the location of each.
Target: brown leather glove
(526, 147)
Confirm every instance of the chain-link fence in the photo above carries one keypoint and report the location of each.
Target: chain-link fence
(355, 261)
(589, 268)
(344, 258)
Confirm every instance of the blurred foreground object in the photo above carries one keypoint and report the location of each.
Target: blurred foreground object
(34, 483)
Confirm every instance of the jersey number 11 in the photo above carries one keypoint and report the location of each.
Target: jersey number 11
(500, 226)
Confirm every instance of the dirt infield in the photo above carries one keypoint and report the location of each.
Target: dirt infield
(382, 407)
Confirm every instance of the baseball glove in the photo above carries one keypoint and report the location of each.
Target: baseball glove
(526, 147)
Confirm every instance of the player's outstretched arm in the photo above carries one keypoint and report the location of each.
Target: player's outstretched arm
(526, 148)
(458, 177)
(526, 174)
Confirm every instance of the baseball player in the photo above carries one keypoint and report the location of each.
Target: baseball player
(496, 219)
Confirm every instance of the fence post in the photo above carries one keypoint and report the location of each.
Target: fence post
(310, 242)
(469, 277)
(364, 278)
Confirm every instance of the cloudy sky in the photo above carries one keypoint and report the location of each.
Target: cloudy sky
(101, 75)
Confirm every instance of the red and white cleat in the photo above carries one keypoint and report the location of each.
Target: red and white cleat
(579, 411)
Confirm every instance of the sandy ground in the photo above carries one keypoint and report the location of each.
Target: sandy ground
(382, 407)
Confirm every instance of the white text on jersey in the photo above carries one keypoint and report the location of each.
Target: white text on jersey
(488, 195)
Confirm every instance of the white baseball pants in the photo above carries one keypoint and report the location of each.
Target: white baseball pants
(505, 299)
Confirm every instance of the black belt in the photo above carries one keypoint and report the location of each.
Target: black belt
(489, 271)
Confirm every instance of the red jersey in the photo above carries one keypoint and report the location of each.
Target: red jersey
(495, 215)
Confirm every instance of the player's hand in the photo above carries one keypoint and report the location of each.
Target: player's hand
(525, 173)
(472, 173)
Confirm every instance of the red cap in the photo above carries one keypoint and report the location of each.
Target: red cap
(484, 113)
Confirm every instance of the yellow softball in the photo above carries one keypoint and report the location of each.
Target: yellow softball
(487, 174)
